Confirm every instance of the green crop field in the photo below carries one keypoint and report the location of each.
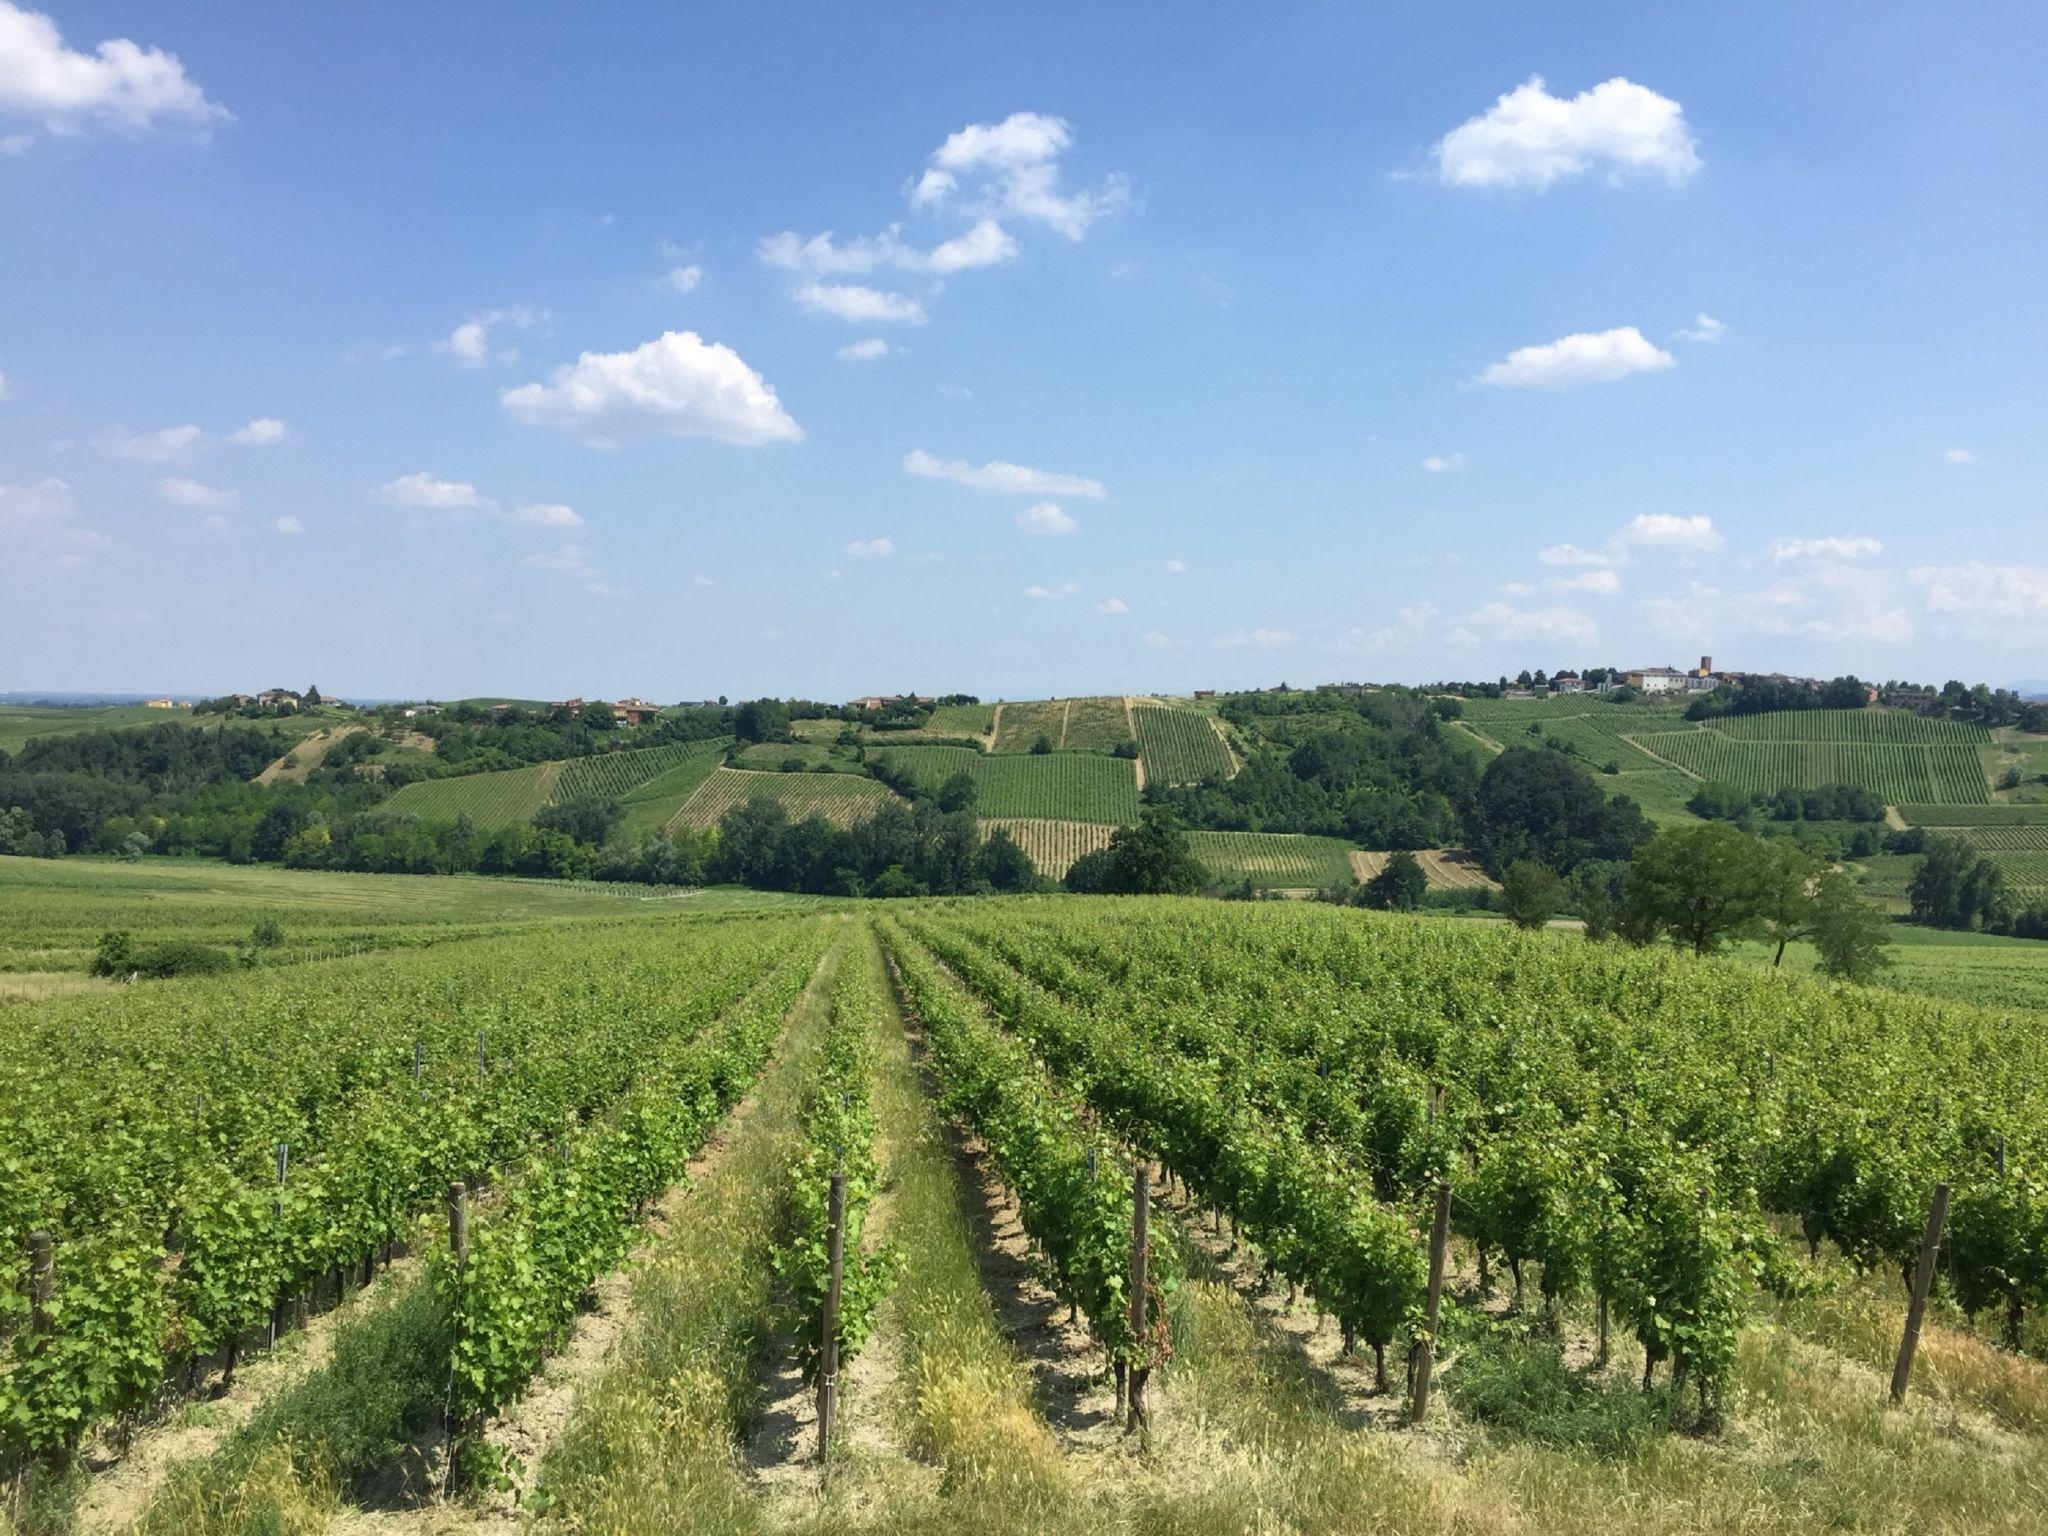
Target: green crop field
(506, 798)
(1019, 726)
(841, 798)
(22, 723)
(1062, 786)
(1179, 746)
(1274, 860)
(1639, 1135)
(771, 756)
(1918, 772)
(1975, 815)
(1096, 725)
(1596, 735)
(1850, 725)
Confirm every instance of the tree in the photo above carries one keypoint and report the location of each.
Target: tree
(1539, 805)
(1042, 746)
(1004, 865)
(1148, 859)
(1399, 885)
(1785, 900)
(596, 716)
(761, 720)
(958, 793)
(1530, 894)
(586, 821)
(311, 697)
(1955, 886)
(1852, 935)
(1701, 885)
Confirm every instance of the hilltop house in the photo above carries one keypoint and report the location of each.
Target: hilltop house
(635, 711)
(1567, 682)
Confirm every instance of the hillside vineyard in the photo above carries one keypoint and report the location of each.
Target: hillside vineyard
(1611, 1125)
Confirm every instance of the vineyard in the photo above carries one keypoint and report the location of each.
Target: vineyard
(1872, 726)
(514, 795)
(1180, 746)
(841, 798)
(1444, 869)
(1089, 1174)
(1274, 860)
(1068, 786)
(1096, 725)
(1052, 846)
(1975, 815)
(1948, 772)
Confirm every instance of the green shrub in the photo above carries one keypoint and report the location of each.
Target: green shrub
(183, 957)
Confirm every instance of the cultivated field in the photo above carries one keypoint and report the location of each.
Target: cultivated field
(626, 1340)
(1019, 726)
(22, 723)
(1446, 869)
(1063, 786)
(1052, 846)
(1096, 725)
(1947, 772)
(1180, 746)
(1274, 860)
(841, 798)
(514, 795)
(1975, 815)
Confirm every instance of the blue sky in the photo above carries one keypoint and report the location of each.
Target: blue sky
(432, 350)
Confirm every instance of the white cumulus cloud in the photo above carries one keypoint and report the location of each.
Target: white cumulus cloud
(1264, 639)
(677, 385)
(1585, 357)
(572, 562)
(470, 342)
(1961, 458)
(864, 351)
(851, 301)
(683, 279)
(1982, 590)
(421, 489)
(1015, 167)
(546, 514)
(180, 492)
(1177, 567)
(1504, 621)
(164, 447)
(1704, 329)
(120, 84)
(1603, 582)
(1046, 518)
(1834, 547)
(1005, 479)
(1113, 605)
(862, 549)
(1053, 594)
(1530, 138)
(1663, 530)
(1444, 464)
(287, 525)
(260, 433)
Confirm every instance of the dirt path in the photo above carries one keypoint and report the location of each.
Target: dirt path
(125, 1483)
(1236, 763)
(1894, 818)
(293, 766)
(1066, 714)
(995, 729)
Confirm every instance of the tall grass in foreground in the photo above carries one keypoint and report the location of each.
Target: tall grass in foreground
(653, 1443)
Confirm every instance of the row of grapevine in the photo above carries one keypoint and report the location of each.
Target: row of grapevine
(1274, 860)
(1072, 1193)
(1179, 746)
(1935, 773)
(1052, 846)
(838, 1137)
(2004, 839)
(1063, 786)
(841, 798)
(1622, 1119)
(568, 1214)
(490, 800)
(609, 775)
(146, 1132)
(1850, 725)
(1316, 1224)
(2006, 815)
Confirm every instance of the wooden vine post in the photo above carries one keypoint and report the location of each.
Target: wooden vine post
(1923, 1279)
(1141, 1254)
(1425, 1362)
(284, 1155)
(42, 1281)
(458, 1250)
(828, 1345)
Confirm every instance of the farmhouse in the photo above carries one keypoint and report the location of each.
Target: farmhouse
(158, 704)
(1567, 682)
(277, 698)
(635, 711)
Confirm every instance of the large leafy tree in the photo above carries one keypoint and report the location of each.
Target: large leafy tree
(1852, 935)
(1151, 858)
(1540, 805)
(1955, 886)
(1701, 885)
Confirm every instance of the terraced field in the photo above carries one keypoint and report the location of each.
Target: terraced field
(1061, 786)
(1180, 746)
(1052, 846)
(1274, 860)
(840, 798)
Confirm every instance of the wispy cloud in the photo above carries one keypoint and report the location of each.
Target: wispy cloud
(1001, 477)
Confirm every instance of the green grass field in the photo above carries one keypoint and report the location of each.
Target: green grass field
(1274, 860)
(1061, 786)
(1179, 746)
(22, 723)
